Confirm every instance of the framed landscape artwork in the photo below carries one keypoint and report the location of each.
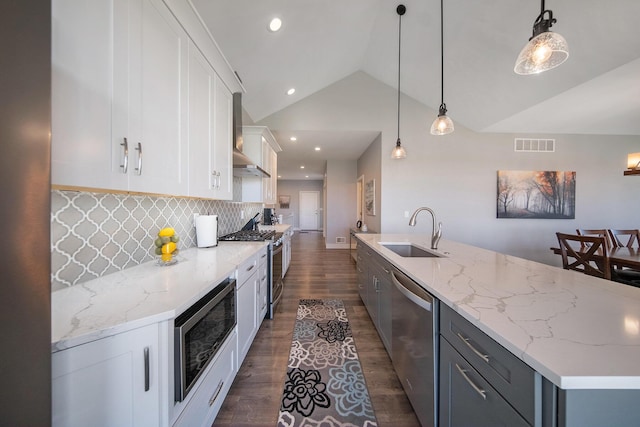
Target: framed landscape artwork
(284, 201)
(370, 197)
(536, 194)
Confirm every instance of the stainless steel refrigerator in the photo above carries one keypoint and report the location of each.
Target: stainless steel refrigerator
(25, 209)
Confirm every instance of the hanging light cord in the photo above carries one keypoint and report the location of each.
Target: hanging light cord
(441, 57)
(399, 42)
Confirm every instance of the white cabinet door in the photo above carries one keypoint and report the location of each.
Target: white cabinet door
(103, 383)
(83, 60)
(202, 177)
(223, 140)
(210, 110)
(247, 314)
(158, 49)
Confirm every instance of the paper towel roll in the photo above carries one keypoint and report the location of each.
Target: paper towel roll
(207, 230)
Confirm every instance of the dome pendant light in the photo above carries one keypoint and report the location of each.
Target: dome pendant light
(443, 124)
(545, 50)
(399, 151)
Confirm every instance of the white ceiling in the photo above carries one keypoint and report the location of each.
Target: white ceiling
(597, 91)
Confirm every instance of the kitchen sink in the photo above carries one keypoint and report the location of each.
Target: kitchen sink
(409, 250)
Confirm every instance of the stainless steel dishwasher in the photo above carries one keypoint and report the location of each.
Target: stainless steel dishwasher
(414, 351)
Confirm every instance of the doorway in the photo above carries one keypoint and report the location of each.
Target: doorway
(309, 201)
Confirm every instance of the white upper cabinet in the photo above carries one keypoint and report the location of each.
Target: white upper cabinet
(121, 99)
(261, 147)
(119, 96)
(210, 114)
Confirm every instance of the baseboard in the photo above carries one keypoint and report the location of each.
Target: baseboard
(337, 245)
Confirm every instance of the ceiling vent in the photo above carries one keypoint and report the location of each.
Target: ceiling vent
(529, 145)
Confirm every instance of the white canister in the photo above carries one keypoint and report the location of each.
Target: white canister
(207, 231)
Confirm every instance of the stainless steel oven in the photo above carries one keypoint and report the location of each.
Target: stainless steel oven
(199, 332)
(274, 266)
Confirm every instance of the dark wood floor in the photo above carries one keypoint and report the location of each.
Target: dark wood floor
(254, 398)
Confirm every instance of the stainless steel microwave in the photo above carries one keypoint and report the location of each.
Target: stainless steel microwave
(200, 332)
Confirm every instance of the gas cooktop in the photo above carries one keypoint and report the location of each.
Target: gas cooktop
(249, 235)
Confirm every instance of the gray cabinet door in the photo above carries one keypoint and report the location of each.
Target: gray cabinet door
(466, 399)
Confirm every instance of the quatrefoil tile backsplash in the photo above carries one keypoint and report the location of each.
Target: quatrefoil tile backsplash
(94, 234)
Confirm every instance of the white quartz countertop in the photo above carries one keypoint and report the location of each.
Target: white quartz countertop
(141, 295)
(578, 331)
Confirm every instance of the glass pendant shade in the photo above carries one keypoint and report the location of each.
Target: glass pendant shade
(443, 124)
(398, 151)
(543, 52)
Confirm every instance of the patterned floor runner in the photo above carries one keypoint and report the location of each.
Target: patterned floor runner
(324, 384)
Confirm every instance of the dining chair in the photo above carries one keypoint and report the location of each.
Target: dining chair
(586, 254)
(598, 232)
(618, 238)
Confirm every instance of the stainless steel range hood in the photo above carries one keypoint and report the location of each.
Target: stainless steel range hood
(242, 165)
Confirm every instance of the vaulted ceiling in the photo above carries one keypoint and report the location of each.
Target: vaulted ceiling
(597, 91)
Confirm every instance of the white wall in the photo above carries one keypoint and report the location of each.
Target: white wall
(369, 166)
(293, 188)
(456, 174)
(341, 202)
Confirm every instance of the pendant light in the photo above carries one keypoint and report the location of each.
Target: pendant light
(545, 50)
(399, 151)
(443, 124)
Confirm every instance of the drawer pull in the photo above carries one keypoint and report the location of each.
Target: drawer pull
(263, 256)
(478, 390)
(216, 393)
(484, 357)
(251, 267)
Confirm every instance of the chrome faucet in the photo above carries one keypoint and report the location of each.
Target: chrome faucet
(436, 233)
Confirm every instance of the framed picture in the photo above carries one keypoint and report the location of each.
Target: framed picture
(284, 201)
(370, 197)
(536, 194)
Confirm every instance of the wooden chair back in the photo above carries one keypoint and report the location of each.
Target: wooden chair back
(586, 254)
(618, 238)
(598, 232)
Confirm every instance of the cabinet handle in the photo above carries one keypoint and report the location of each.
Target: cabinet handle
(219, 180)
(478, 390)
(263, 256)
(484, 357)
(214, 182)
(251, 267)
(146, 369)
(216, 393)
(125, 160)
(139, 150)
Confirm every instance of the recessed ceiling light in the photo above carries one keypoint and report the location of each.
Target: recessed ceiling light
(291, 91)
(317, 148)
(279, 176)
(275, 25)
(293, 138)
(302, 167)
(306, 176)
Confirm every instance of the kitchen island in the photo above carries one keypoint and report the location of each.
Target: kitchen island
(580, 333)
